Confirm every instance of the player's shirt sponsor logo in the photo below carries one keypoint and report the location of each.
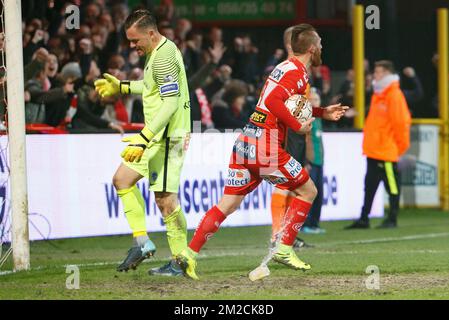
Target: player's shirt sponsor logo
(293, 167)
(245, 150)
(238, 177)
(169, 88)
(276, 74)
(258, 117)
(252, 131)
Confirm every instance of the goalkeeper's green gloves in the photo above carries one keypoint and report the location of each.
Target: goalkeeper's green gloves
(110, 86)
(137, 145)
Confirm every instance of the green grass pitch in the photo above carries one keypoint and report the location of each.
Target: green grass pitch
(413, 262)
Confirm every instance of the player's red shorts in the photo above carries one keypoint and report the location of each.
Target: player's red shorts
(256, 156)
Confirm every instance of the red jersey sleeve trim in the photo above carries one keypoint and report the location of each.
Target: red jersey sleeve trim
(317, 112)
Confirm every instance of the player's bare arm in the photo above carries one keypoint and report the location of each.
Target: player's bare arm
(334, 112)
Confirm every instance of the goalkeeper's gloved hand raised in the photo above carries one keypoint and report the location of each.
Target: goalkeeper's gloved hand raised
(110, 86)
(137, 145)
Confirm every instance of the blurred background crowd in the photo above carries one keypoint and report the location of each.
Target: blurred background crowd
(225, 65)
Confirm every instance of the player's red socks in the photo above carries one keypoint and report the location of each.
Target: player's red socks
(294, 219)
(209, 224)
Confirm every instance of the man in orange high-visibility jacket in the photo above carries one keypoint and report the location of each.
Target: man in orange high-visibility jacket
(386, 137)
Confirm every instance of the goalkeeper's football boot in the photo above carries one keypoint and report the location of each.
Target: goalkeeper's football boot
(186, 260)
(287, 256)
(170, 269)
(136, 255)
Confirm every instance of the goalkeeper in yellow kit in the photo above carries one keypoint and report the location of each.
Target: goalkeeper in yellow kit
(157, 152)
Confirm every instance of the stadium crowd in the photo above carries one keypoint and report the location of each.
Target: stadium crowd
(225, 79)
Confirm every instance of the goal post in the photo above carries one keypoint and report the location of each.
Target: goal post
(16, 134)
(443, 102)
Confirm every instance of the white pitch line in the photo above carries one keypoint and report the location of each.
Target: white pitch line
(252, 253)
(389, 239)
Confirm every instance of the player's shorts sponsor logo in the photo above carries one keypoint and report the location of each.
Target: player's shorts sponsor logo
(293, 167)
(238, 178)
(275, 180)
(245, 150)
(276, 74)
(258, 117)
(252, 131)
(169, 88)
(297, 226)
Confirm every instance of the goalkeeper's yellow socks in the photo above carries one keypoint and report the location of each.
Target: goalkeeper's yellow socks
(176, 226)
(134, 207)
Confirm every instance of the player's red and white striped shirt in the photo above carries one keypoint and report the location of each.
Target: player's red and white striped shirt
(288, 78)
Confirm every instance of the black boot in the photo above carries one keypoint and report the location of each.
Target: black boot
(359, 224)
(388, 224)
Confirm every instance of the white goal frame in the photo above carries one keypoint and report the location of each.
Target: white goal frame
(16, 134)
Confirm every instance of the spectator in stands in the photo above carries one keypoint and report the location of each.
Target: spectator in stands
(192, 53)
(183, 27)
(92, 13)
(219, 79)
(345, 95)
(43, 94)
(413, 91)
(56, 111)
(321, 79)
(84, 117)
(386, 137)
(228, 106)
(33, 39)
(166, 11)
(167, 30)
(40, 57)
(275, 58)
(434, 110)
(243, 60)
(214, 36)
(199, 102)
